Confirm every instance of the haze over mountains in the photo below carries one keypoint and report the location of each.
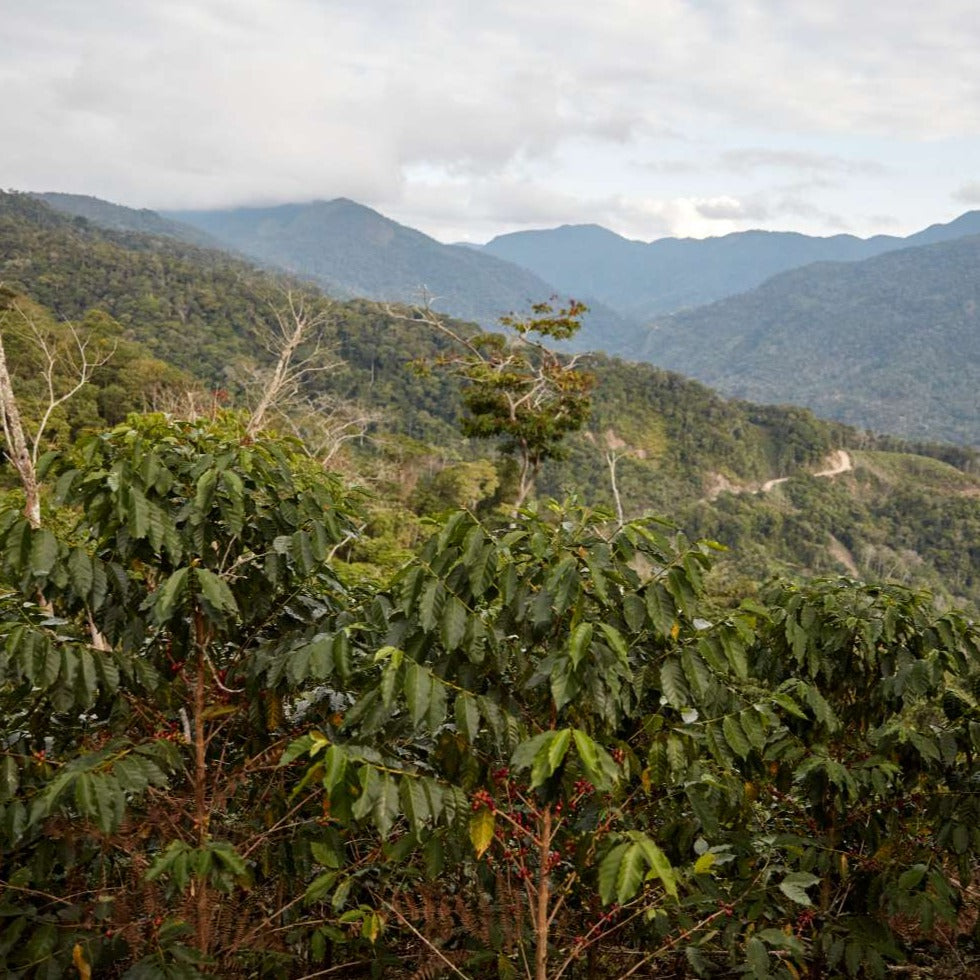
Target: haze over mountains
(879, 332)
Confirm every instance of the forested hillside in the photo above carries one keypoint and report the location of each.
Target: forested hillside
(290, 686)
(892, 343)
(676, 448)
(351, 250)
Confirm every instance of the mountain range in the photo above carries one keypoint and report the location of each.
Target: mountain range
(830, 323)
(643, 279)
(891, 343)
(187, 325)
(352, 251)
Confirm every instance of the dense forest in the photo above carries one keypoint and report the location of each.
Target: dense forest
(347, 640)
(890, 342)
(676, 443)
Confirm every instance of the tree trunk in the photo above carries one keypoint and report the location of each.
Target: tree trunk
(203, 912)
(541, 923)
(20, 456)
(612, 459)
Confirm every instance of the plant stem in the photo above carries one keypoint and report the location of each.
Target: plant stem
(541, 921)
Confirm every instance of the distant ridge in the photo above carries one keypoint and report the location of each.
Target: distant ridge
(890, 343)
(117, 217)
(352, 250)
(645, 279)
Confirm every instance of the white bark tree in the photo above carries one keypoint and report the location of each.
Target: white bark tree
(67, 365)
(293, 336)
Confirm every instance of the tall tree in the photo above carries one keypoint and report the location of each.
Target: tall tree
(518, 389)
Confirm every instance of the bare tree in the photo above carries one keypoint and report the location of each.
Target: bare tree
(328, 424)
(615, 449)
(294, 338)
(72, 360)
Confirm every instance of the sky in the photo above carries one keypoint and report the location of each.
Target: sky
(471, 118)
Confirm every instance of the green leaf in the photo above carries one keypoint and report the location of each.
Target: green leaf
(454, 617)
(86, 677)
(673, 685)
(622, 873)
(550, 756)
(634, 612)
(334, 764)
(564, 584)
(169, 595)
(615, 640)
(319, 887)
(794, 886)
(735, 737)
(80, 572)
(302, 552)
(757, 957)
(44, 552)
(137, 512)
(751, 724)
(912, 878)
(661, 608)
(524, 754)
(321, 657)
(788, 704)
(430, 605)
(660, 866)
(600, 769)
(467, 717)
(418, 691)
(205, 489)
(563, 682)
(215, 592)
(415, 803)
(579, 641)
(679, 585)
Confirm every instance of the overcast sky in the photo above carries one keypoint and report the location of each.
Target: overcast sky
(467, 118)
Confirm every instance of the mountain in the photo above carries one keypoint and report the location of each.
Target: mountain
(116, 217)
(891, 343)
(644, 279)
(351, 250)
(902, 510)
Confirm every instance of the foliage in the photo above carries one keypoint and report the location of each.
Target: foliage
(151, 664)
(549, 727)
(517, 389)
(537, 750)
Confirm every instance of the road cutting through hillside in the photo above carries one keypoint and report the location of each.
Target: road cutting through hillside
(839, 461)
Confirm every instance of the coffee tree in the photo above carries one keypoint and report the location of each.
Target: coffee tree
(574, 771)
(156, 638)
(537, 751)
(545, 713)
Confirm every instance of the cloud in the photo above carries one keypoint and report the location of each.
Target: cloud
(751, 159)
(216, 102)
(968, 193)
(731, 209)
(672, 167)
